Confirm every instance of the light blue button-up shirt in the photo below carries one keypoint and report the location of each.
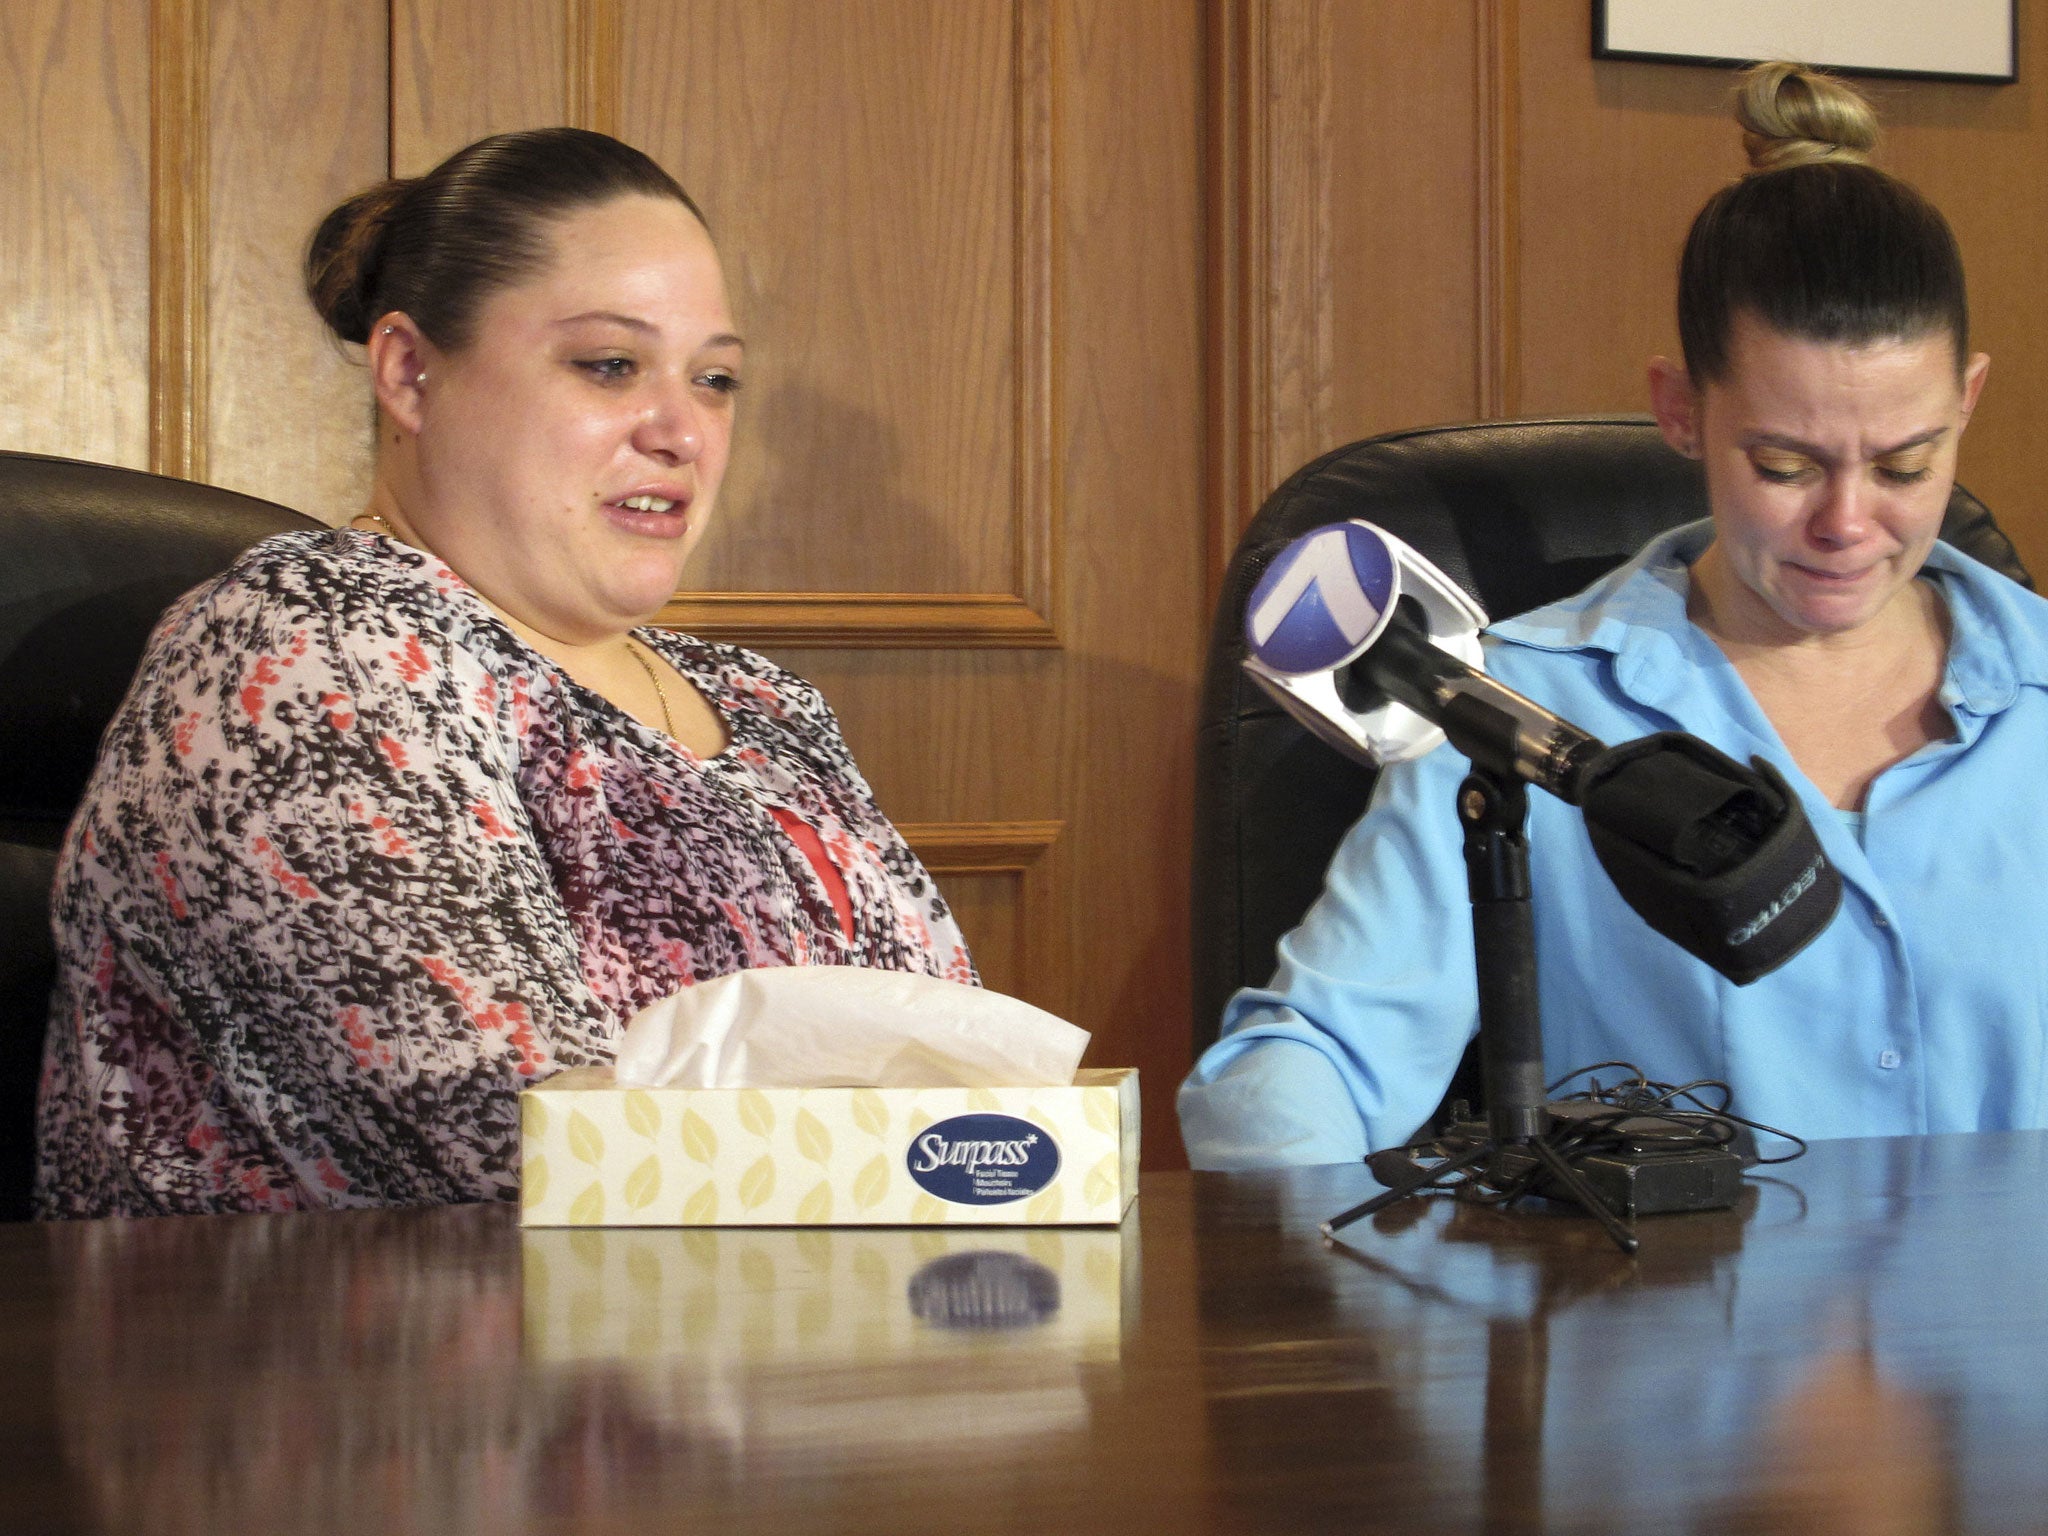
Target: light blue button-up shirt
(1922, 1008)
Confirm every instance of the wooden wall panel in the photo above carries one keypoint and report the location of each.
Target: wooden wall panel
(461, 69)
(1269, 280)
(1616, 158)
(275, 378)
(590, 89)
(1403, 227)
(1347, 259)
(74, 245)
(878, 177)
(178, 185)
(1980, 152)
(999, 878)
(1290, 47)
(988, 906)
(1120, 749)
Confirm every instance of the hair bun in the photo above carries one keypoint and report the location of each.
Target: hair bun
(345, 256)
(1792, 115)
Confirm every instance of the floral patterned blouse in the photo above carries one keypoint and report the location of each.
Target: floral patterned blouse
(357, 864)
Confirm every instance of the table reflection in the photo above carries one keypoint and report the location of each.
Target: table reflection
(1870, 1320)
(264, 1373)
(1850, 1451)
(842, 1342)
(443, 1371)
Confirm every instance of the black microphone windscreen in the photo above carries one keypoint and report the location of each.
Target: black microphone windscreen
(1718, 858)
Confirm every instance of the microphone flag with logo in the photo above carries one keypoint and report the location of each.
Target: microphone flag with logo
(1323, 601)
(1328, 598)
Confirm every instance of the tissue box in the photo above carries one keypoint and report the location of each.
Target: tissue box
(596, 1155)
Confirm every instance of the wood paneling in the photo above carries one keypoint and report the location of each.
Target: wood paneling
(1297, 289)
(999, 879)
(1099, 733)
(1268, 285)
(1617, 158)
(178, 77)
(1980, 152)
(886, 619)
(894, 282)
(461, 69)
(1120, 745)
(1353, 264)
(74, 245)
(1407, 211)
(277, 380)
(1497, 113)
(590, 64)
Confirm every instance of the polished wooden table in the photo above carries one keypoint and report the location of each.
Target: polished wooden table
(1862, 1345)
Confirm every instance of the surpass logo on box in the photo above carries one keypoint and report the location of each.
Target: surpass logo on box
(983, 1159)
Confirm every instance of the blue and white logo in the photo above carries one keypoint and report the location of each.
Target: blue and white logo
(983, 1159)
(1322, 601)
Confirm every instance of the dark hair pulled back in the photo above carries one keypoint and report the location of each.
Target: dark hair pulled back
(1813, 241)
(436, 246)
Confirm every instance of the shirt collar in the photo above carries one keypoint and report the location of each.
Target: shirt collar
(1636, 614)
(1998, 634)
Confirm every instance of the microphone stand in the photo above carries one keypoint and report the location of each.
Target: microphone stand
(1493, 808)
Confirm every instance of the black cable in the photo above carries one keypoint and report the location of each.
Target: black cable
(1641, 1115)
(1706, 1125)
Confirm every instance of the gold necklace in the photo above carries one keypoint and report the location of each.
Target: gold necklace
(383, 523)
(668, 723)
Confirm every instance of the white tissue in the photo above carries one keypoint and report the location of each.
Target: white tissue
(837, 1026)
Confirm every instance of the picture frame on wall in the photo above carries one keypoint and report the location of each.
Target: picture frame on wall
(1933, 39)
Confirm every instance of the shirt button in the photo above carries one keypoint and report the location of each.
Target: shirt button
(1880, 919)
(1887, 1059)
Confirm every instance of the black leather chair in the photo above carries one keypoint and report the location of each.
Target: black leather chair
(1519, 513)
(90, 556)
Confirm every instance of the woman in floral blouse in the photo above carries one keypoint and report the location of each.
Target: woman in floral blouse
(402, 817)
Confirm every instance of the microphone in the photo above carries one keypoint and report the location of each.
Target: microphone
(1376, 651)
(1496, 727)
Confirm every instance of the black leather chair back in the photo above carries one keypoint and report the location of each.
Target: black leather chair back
(1519, 513)
(90, 556)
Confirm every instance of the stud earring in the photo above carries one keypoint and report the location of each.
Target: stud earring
(420, 377)
(389, 329)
